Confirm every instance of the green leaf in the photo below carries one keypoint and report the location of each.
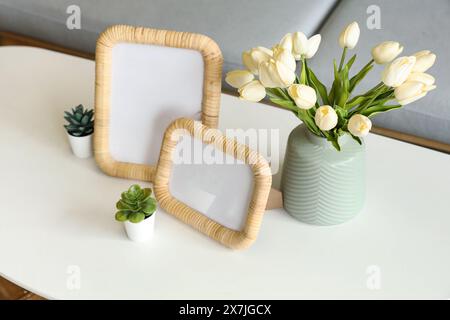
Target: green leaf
(342, 116)
(336, 85)
(335, 70)
(344, 54)
(122, 205)
(85, 120)
(71, 127)
(149, 207)
(78, 116)
(68, 114)
(285, 104)
(359, 76)
(319, 87)
(272, 93)
(136, 217)
(72, 121)
(283, 94)
(134, 191)
(126, 197)
(278, 93)
(336, 145)
(344, 92)
(357, 139)
(371, 100)
(147, 192)
(121, 216)
(88, 132)
(372, 111)
(350, 62)
(383, 97)
(333, 139)
(355, 101)
(308, 120)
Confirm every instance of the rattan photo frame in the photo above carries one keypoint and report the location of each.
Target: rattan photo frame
(215, 224)
(146, 78)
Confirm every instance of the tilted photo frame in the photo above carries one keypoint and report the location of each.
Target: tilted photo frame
(146, 78)
(223, 193)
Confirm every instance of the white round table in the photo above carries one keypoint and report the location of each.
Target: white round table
(59, 239)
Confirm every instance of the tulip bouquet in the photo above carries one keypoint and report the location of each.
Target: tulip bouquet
(340, 111)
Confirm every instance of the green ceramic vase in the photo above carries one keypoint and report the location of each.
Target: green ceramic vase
(323, 186)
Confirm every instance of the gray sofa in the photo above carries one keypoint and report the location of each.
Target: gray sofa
(237, 25)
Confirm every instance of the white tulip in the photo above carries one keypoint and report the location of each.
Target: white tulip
(411, 91)
(349, 36)
(313, 46)
(252, 91)
(424, 60)
(304, 96)
(386, 51)
(275, 74)
(253, 58)
(286, 42)
(359, 125)
(425, 78)
(326, 118)
(238, 78)
(302, 47)
(398, 71)
(283, 55)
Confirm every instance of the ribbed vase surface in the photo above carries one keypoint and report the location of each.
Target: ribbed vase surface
(323, 186)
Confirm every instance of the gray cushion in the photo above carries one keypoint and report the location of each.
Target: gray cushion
(417, 25)
(235, 25)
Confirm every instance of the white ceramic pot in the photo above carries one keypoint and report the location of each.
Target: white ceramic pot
(141, 231)
(81, 146)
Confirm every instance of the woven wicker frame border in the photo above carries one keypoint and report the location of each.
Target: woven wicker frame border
(212, 58)
(262, 184)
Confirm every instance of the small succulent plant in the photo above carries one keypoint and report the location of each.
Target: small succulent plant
(135, 205)
(81, 122)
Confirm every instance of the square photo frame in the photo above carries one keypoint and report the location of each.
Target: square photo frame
(224, 201)
(146, 78)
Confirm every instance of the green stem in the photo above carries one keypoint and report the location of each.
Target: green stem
(286, 107)
(378, 86)
(308, 79)
(303, 76)
(369, 102)
(368, 93)
(344, 53)
(369, 63)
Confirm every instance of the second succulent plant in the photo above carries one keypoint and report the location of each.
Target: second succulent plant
(80, 121)
(135, 204)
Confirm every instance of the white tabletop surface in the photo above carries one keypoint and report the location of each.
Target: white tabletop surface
(57, 213)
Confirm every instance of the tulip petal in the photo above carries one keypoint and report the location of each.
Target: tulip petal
(408, 89)
(238, 78)
(286, 42)
(313, 46)
(285, 75)
(412, 99)
(266, 74)
(300, 44)
(253, 91)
